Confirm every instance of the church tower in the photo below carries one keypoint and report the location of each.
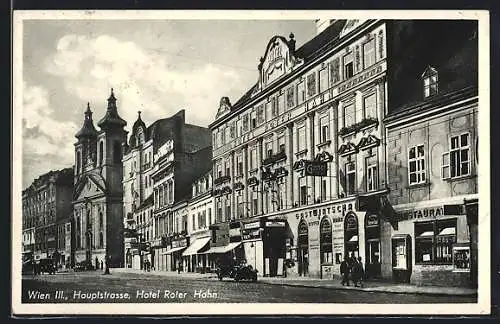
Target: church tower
(85, 148)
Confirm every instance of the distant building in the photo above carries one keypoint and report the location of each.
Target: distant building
(46, 204)
(160, 161)
(98, 192)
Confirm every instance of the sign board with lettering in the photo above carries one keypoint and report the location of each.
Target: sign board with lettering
(303, 229)
(252, 225)
(315, 168)
(275, 224)
(372, 220)
(432, 212)
(351, 221)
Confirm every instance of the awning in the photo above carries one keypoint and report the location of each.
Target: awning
(196, 246)
(174, 250)
(222, 249)
(427, 234)
(353, 239)
(448, 231)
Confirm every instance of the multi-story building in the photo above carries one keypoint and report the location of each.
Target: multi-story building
(47, 202)
(295, 157)
(432, 152)
(98, 193)
(159, 164)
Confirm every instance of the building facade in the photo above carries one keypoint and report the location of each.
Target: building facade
(432, 153)
(294, 155)
(98, 193)
(161, 162)
(47, 204)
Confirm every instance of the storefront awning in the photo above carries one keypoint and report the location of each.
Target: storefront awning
(448, 231)
(222, 249)
(427, 234)
(196, 246)
(353, 239)
(174, 250)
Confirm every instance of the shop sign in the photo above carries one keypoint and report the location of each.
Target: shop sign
(234, 232)
(314, 223)
(372, 220)
(251, 225)
(315, 168)
(303, 230)
(351, 221)
(326, 226)
(179, 243)
(252, 234)
(421, 213)
(275, 224)
(336, 212)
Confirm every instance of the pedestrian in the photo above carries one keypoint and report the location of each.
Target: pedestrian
(360, 271)
(344, 271)
(96, 263)
(102, 265)
(179, 266)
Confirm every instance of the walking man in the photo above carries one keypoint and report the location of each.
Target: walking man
(344, 271)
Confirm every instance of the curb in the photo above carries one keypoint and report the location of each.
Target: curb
(373, 289)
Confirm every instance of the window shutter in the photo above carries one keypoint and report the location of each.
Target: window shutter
(445, 166)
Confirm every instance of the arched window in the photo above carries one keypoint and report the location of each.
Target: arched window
(101, 152)
(101, 220)
(101, 239)
(351, 234)
(78, 162)
(117, 152)
(326, 249)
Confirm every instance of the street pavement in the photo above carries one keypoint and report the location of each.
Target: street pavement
(135, 286)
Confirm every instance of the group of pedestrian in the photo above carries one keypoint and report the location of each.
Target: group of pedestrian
(352, 269)
(147, 265)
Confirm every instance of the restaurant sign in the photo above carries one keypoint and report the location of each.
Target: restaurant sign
(433, 212)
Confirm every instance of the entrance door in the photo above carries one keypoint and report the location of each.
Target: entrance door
(373, 268)
(303, 249)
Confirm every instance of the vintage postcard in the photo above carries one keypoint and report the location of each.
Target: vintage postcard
(251, 162)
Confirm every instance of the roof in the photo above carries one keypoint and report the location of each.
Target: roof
(88, 129)
(111, 118)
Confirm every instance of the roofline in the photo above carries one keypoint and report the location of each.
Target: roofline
(371, 23)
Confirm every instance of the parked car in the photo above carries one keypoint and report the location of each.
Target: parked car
(225, 271)
(245, 272)
(47, 266)
(83, 266)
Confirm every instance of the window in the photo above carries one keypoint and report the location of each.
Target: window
(290, 97)
(371, 177)
(269, 148)
(348, 66)
(323, 80)
(434, 241)
(78, 162)
(369, 53)
(311, 84)
(456, 162)
(281, 104)
(269, 109)
(349, 115)
(301, 93)
(241, 206)
(101, 152)
(245, 123)
(253, 158)
(228, 209)
(239, 130)
(260, 114)
(239, 165)
(335, 70)
(323, 190)
(416, 164)
(370, 106)
(255, 203)
(209, 216)
(324, 128)
(253, 122)
(193, 221)
(101, 239)
(303, 191)
(326, 241)
(281, 143)
(219, 171)
(301, 138)
(350, 178)
(227, 134)
(228, 168)
(430, 77)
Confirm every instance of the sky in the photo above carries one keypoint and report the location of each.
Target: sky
(156, 66)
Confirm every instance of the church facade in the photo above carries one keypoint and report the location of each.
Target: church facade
(98, 191)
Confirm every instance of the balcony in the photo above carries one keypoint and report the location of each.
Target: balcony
(354, 128)
(239, 186)
(275, 158)
(222, 179)
(252, 181)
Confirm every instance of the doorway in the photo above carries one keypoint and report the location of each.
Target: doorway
(303, 249)
(372, 235)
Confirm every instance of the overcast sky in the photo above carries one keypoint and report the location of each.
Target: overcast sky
(156, 66)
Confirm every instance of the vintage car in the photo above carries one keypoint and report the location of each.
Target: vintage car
(46, 266)
(83, 266)
(238, 272)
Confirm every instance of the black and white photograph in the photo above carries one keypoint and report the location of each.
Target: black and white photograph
(251, 162)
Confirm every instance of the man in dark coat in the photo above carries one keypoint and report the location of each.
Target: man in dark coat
(344, 271)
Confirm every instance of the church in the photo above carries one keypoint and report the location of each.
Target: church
(98, 190)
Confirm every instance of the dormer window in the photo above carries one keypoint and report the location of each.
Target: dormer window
(430, 78)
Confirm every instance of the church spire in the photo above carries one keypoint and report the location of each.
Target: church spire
(111, 119)
(88, 129)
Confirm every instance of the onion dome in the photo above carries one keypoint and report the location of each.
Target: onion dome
(88, 129)
(111, 119)
(138, 123)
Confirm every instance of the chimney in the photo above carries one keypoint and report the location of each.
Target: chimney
(322, 24)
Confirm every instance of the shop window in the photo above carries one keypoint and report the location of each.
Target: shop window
(324, 128)
(350, 178)
(301, 138)
(456, 162)
(461, 258)
(434, 241)
(416, 164)
(351, 232)
(369, 53)
(371, 177)
(348, 66)
(326, 241)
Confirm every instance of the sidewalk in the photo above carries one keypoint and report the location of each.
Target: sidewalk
(371, 286)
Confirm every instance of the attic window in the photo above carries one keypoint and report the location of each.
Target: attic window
(430, 78)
